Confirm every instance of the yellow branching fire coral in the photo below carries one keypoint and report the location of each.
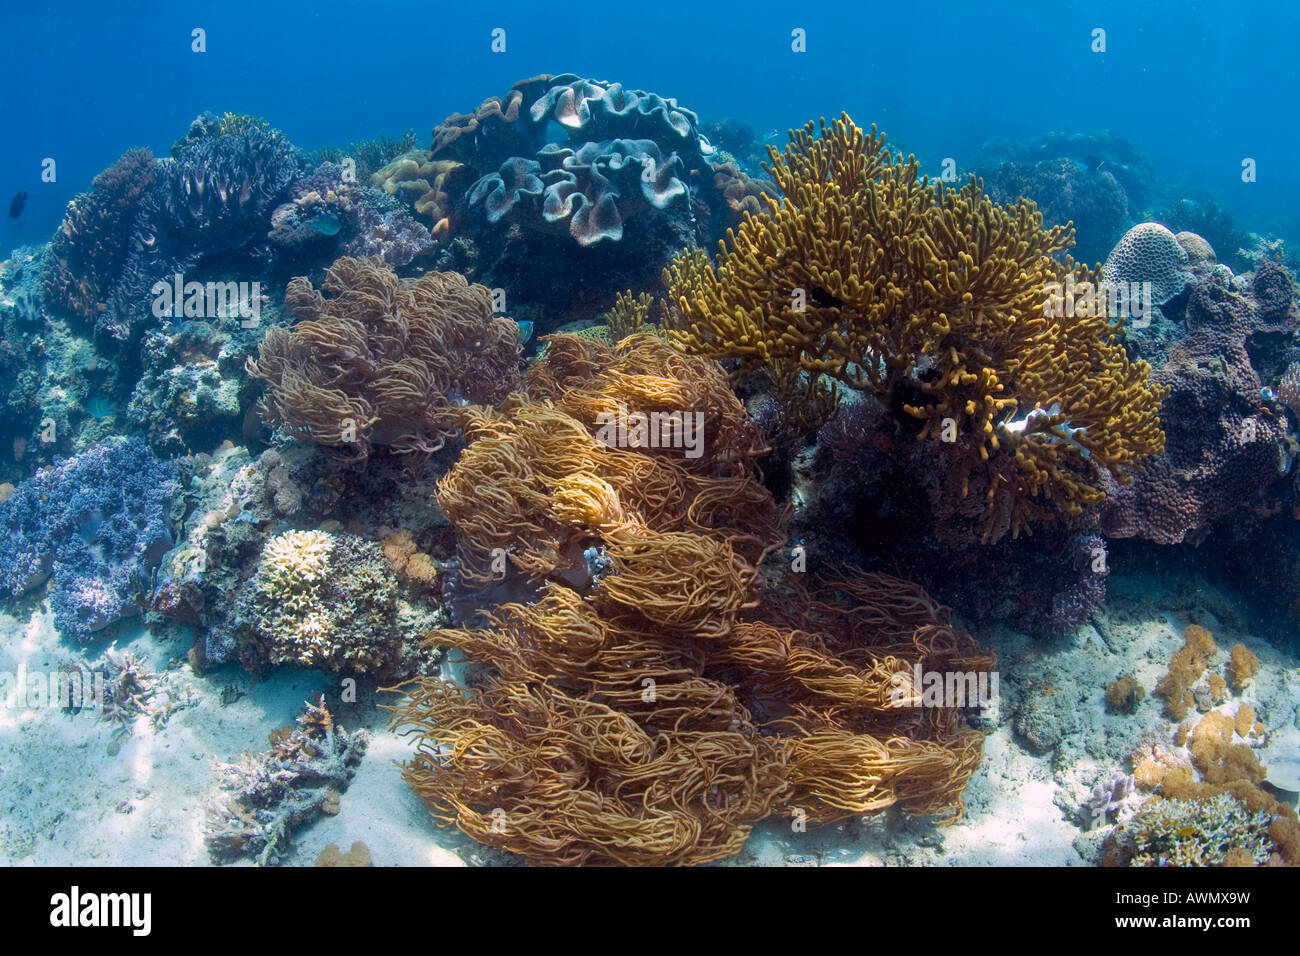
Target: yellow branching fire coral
(375, 360)
(631, 314)
(946, 305)
(654, 702)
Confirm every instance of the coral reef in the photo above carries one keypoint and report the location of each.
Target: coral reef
(202, 216)
(1067, 192)
(590, 190)
(233, 502)
(619, 718)
(1123, 694)
(426, 184)
(319, 599)
(1114, 797)
(1242, 666)
(740, 193)
(357, 855)
(401, 551)
(1225, 447)
(1185, 668)
(1149, 252)
(90, 250)
(361, 616)
(131, 690)
(1207, 218)
(1095, 153)
(869, 277)
(370, 155)
(1219, 817)
(1196, 833)
(264, 798)
(98, 525)
(630, 315)
(1043, 718)
(219, 192)
(378, 362)
(145, 220)
(1206, 806)
(192, 393)
(630, 171)
(327, 216)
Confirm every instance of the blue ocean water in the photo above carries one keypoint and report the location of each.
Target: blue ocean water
(1197, 86)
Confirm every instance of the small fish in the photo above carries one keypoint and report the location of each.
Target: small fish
(1268, 394)
(16, 205)
(327, 224)
(100, 407)
(525, 331)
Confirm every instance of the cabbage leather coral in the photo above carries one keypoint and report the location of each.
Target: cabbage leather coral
(938, 301)
(378, 361)
(424, 182)
(649, 706)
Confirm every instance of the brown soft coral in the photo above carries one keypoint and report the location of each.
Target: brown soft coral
(426, 183)
(1225, 766)
(407, 560)
(1242, 666)
(378, 361)
(646, 706)
(741, 193)
(1124, 694)
(1186, 666)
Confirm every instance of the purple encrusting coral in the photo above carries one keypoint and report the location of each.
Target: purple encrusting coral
(98, 524)
(1084, 568)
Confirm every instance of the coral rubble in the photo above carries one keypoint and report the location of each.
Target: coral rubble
(263, 799)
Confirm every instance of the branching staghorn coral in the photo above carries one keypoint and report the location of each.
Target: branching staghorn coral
(648, 713)
(379, 361)
(937, 300)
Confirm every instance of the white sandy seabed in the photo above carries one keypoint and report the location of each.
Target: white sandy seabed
(74, 793)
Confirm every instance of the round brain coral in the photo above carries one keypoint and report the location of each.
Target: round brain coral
(1150, 253)
(1200, 254)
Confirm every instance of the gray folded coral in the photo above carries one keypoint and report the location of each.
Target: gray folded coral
(590, 190)
(625, 151)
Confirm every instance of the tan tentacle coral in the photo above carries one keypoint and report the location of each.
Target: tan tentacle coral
(652, 706)
(379, 361)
